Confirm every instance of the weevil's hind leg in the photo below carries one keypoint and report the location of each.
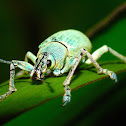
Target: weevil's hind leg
(99, 52)
(67, 95)
(22, 65)
(96, 55)
(32, 57)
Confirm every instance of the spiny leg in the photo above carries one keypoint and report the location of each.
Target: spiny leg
(9, 92)
(5, 95)
(32, 57)
(67, 95)
(100, 70)
(99, 52)
(22, 65)
(69, 62)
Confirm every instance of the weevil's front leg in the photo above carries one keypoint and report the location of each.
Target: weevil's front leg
(100, 70)
(22, 65)
(32, 57)
(67, 95)
(70, 61)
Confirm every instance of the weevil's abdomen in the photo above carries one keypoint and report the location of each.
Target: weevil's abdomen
(74, 40)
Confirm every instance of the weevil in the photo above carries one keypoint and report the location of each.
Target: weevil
(60, 53)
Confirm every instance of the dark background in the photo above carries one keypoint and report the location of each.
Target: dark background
(25, 24)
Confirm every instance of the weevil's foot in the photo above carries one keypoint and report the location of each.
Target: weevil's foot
(5, 95)
(57, 72)
(67, 95)
(12, 89)
(15, 89)
(66, 99)
(111, 74)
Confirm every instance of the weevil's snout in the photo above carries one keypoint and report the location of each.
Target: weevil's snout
(37, 75)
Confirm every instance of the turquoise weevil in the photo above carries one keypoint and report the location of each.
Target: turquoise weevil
(59, 54)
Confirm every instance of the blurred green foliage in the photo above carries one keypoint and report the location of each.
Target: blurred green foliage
(24, 24)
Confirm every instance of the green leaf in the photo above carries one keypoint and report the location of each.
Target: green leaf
(31, 95)
(88, 106)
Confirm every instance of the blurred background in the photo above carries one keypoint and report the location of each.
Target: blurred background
(25, 24)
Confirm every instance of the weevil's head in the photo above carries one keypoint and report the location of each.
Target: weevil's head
(44, 63)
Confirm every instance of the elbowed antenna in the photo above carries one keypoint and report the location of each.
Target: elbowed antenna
(4, 61)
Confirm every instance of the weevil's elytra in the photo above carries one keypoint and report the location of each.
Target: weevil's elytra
(60, 53)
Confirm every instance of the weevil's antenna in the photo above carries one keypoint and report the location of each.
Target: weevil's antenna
(4, 61)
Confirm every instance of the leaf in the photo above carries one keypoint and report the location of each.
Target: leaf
(88, 106)
(31, 95)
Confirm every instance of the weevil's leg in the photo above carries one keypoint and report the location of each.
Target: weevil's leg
(5, 95)
(99, 52)
(100, 70)
(32, 57)
(70, 61)
(67, 95)
(22, 65)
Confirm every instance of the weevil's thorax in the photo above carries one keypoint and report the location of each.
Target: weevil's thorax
(57, 51)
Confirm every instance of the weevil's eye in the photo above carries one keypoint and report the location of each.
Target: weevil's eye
(36, 60)
(49, 63)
